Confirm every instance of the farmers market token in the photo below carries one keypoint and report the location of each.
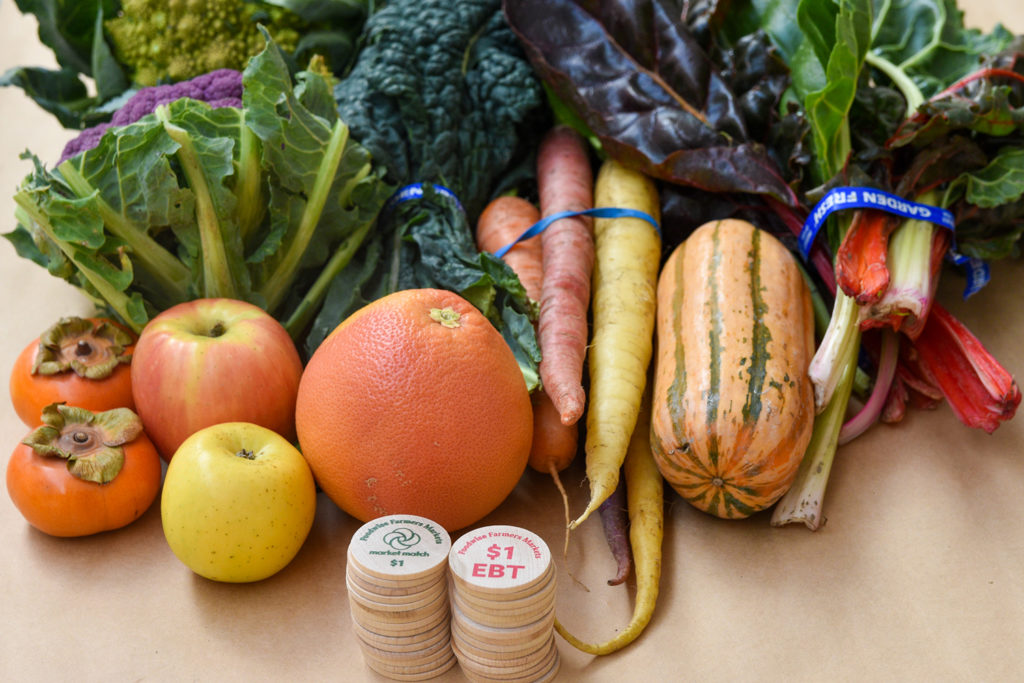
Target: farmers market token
(400, 548)
(532, 669)
(520, 661)
(390, 612)
(398, 623)
(528, 612)
(419, 673)
(545, 675)
(402, 643)
(545, 583)
(433, 653)
(468, 638)
(399, 587)
(502, 595)
(496, 560)
(490, 632)
(400, 602)
(509, 601)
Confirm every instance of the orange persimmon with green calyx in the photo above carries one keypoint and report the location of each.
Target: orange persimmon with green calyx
(415, 404)
(83, 362)
(81, 472)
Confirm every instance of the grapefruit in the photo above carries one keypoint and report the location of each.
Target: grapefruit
(415, 405)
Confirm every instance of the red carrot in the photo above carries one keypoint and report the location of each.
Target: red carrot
(565, 183)
(615, 522)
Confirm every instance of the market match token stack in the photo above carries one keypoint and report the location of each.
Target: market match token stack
(396, 576)
(502, 591)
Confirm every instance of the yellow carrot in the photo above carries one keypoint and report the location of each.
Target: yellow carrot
(645, 501)
(627, 255)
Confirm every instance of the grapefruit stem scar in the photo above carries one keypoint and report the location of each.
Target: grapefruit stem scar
(446, 316)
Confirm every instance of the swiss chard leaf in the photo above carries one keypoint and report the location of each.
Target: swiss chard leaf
(839, 34)
(927, 40)
(989, 206)
(1001, 181)
(648, 90)
(990, 105)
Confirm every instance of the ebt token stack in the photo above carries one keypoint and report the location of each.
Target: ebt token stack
(398, 596)
(503, 605)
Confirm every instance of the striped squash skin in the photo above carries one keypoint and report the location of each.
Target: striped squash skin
(733, 407)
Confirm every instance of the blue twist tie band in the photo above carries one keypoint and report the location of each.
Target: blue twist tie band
(841, 198)
(598, 212)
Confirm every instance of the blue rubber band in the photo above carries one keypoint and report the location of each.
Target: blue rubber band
(597, 212)
(842, 198)
(415, 191)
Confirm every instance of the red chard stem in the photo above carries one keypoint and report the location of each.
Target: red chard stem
(980, 391)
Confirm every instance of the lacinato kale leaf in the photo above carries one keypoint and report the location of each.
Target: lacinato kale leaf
(441, 95)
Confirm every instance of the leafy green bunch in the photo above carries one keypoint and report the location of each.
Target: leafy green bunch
(263, 203)
(444, 99)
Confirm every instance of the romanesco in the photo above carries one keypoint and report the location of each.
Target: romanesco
(174, 40)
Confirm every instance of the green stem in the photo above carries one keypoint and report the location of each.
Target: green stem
(909, 261)
(171, 275)
(249, 187)
(276, 286)
(911, 93)
(803, 501)
(300, 318)
(117, 300)
(217, 279)
(837, 353)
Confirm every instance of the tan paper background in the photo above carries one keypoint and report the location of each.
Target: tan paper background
(917, 576)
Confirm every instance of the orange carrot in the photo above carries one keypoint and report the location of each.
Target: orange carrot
(565, 183)
(554, 445)
(502, 221)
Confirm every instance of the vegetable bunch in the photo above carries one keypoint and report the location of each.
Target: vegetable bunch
(754, 110)
(264, 202)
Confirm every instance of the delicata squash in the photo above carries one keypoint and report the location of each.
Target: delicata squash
(733, 407)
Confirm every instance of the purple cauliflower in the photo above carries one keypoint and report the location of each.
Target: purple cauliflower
(220, 88)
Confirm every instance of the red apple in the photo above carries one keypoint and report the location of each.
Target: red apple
(210, 361)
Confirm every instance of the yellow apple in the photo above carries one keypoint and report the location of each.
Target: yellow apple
(238, 502)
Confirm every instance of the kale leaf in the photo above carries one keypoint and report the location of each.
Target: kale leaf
(441, 95)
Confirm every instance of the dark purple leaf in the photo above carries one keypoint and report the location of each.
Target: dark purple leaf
(642, 83)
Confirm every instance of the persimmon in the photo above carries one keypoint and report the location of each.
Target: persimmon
(81, 473)
(83, 362)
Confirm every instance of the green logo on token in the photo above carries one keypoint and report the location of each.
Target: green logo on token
(401, 539)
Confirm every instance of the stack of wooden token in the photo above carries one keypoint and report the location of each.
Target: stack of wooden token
(503, 605)
(398, 596)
